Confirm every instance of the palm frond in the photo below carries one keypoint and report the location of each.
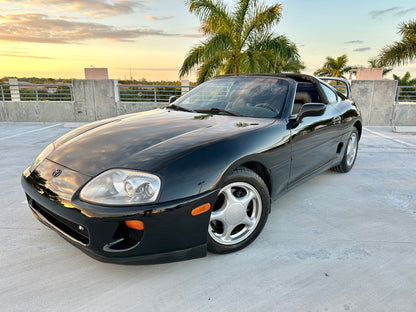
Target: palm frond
(408, 29)
(262, 20)
(210, 67)
(405, 80)
(400, 52)
(204, 51)
(324, 71)
(334, 67)
(194, 57)
(240, 40)
(212, 13)
(278, 53)
(386, 70)
(239, 16)
(254, 61)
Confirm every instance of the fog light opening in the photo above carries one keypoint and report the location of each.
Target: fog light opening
(128, 235)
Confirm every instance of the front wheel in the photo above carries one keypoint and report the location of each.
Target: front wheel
(350, 153)
(239, 213)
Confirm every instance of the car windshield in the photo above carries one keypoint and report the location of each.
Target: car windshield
(244, 96)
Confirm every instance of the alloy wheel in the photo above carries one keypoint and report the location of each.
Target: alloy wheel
(352, 149)
(235, 214)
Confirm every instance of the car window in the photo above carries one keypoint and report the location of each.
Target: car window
(247, 96)
(330, 95)
(205, 94)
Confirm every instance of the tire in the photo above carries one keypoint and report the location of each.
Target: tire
(350, 153)
(239, 213)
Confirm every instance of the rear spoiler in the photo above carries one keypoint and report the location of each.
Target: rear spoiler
(344, 88)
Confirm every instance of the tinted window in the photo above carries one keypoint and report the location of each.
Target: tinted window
(310, 89)
(330, 95)
(248, 96)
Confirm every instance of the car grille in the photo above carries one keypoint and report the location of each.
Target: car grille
(70, 229)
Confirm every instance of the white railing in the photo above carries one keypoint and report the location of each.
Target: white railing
(150, 93)
(406, 94)
(36, 92)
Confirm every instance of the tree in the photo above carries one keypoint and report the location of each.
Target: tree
(405, 80)
(239, 41)
(334, 67)
(400, 52)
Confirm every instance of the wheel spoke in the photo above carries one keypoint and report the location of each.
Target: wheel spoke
(249, 222)
(226, 234)
(218, 215)
(247, 198)
(229, 196)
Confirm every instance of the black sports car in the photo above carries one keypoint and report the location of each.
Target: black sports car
(168, 184)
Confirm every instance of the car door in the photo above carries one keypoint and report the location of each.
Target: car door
(315, 139)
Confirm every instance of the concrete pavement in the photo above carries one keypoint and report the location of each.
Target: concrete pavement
(339, 242)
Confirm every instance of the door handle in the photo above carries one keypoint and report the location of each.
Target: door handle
(336, 119)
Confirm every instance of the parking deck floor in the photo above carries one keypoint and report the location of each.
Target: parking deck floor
(339, 242)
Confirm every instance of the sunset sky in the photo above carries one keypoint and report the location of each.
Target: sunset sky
(150, 38)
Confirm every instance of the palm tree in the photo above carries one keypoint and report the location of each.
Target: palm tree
(373, 62)
(283, 64)
(334, 67)
(400, 52)
(405, 80)
(239, 41)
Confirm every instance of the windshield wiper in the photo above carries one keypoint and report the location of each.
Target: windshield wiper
(217, 110)
(179, 108)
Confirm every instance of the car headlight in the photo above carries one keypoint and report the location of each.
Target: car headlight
(121, 187)
(41, 157)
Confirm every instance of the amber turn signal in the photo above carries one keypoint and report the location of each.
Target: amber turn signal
(200, 209)
(135, 224)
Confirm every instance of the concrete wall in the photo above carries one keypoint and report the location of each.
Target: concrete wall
(98, 99)
(44, 111)
(376, 100)
(134, 107)
(94, 99)
(404, 114)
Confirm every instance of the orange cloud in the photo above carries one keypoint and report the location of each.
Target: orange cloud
(31, 27)
(26, 56)
(158, 18)
(96, 8)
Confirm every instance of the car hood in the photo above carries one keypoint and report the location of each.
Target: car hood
(145, 141)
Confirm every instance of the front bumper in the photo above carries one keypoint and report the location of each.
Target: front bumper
(171, 232)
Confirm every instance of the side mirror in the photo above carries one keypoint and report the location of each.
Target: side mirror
(172, 99)
(311, 109)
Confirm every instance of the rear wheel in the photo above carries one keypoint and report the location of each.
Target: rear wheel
(239, 213)
(350, 153)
